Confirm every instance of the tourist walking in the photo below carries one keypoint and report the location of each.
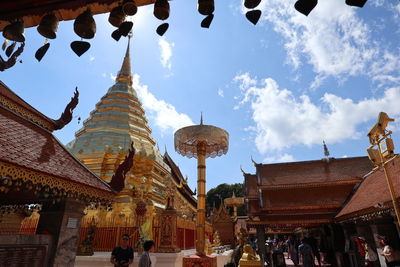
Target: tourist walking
(292, 250)
(145, 260)
(122, 255)
(313, 242)
(392, 257)
(306, 253)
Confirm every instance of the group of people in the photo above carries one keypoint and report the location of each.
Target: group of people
(365, 250)
(307, 251)
(122, 255)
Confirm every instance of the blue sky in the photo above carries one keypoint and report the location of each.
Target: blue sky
(279, 88)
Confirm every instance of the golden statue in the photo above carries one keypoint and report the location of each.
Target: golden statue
(242, 236)
(217, 240)
(249, 257)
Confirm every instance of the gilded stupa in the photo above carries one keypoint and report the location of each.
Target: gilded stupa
(106, 136)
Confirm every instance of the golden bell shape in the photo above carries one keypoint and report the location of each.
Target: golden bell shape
(129, 7)
(161, 9)
(205, 7)
(117, 16)
(84, 25)
(48, 26)
(14, 31)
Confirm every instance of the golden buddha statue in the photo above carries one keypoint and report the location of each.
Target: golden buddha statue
(249, 257)
(217, 240)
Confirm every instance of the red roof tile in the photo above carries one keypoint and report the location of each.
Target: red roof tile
(373, 190)
(26, 144)
(313, 171)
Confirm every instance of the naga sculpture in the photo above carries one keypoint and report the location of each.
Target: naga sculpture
(66, 116)
(118, 179)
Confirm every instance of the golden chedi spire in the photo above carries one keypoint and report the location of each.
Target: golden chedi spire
(117, 120)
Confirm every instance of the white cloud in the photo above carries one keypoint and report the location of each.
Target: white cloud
(221, 92)
(91, 58)
(333, 39)
(281, 158)
(112, 77)
(166, 52)
(283, 120)
(165, 115)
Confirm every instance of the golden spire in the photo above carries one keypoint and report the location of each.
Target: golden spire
(125, 75)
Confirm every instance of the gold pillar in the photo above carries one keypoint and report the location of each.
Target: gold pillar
(201, 198)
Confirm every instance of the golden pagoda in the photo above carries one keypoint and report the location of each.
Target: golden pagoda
(102, 144)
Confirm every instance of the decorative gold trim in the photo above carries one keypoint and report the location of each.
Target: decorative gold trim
(304, 185)
(5, 102)
(35, 177)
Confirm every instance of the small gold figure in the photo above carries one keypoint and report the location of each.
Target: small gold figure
(249, 257)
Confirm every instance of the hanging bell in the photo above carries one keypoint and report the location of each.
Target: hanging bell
(42, 51)
(80, 47)
(129, 7)
(162, 29)
(116, 35)
(357, 3)
(206, 22)
(125, 28)
(48, 26)
(14, 31)
(10, 49)
(205, 7)
(117, 16)
(251, 3)
(161, 9)
(84, 25)
(253, 16)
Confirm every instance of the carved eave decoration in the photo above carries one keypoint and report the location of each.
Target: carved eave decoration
(371, 213)
(25, 110)
(13, 177)
(310, 185)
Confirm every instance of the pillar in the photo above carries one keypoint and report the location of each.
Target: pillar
(62, 221)
(201, 199)
(261, 243)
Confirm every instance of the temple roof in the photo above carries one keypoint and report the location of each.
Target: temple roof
(316, 172)
(30, 152)
(373, 194)
(305, 193)
(31, 11)
(181, 183)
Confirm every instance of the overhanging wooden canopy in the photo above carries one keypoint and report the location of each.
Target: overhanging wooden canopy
(31, 11)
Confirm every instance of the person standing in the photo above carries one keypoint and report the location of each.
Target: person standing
(292, 250)
(392, 257)
(306, 253)
(122, 255)
(145, 260)
(313, 242)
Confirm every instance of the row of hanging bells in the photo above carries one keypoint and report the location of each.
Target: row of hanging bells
(117, 18)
